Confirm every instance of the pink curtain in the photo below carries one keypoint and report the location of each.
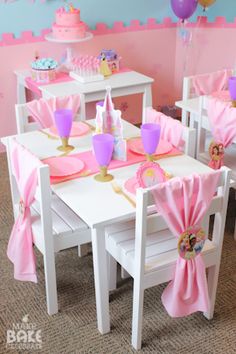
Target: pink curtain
(42, 110)
(171, 129)
(222, 117)
(183, 202)
(207, 83)
(20, 246)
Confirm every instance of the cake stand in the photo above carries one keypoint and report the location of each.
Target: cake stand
(67, 64)
(50, 38)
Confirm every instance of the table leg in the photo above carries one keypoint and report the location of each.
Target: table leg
(147, 100)
(21, 94)
(82, 107)
(101, 280)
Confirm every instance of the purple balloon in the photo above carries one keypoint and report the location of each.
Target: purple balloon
(150, 133)
(103, 145)
(232, 87)
(63, 120)
(184, 8)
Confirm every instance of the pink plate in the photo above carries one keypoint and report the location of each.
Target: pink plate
(135, 145)
(78, 128)
(64, 166)
(131, 185)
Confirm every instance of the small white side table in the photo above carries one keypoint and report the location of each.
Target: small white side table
(122, 84)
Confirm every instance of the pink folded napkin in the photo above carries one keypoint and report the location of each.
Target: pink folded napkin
(222, 95)
(171, 129)
(222, 117)
(183, 202)
(205, 84)
(42, 110)
(20, 246)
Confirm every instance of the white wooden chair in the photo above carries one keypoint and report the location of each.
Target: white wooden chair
(55, 227)
(148, 251)
(24, 124)
(189, 91)
(189, 138)
(24, 121)
(204, 138)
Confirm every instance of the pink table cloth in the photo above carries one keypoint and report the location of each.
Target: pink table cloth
(183, 203)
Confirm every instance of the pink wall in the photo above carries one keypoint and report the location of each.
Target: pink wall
(210, 49)
(152, 49)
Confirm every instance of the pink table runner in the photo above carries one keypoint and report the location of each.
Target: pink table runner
(91, 166)
(61, 77)
(34, 86)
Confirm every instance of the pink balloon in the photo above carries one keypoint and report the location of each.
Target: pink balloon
(184, 8)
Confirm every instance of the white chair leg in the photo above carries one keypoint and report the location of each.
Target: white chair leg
(235, 218)
(124, 274)
(213, 273)
(112, 271)
(83, 250)
(235, 230)
(137, 319)
(50, 284)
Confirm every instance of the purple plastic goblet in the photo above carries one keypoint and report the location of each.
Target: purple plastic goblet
(232, 89)
(150, 133)
(63, 121)
(103, 145)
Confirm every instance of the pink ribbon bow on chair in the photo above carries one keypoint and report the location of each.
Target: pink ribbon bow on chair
(42, 110)
(183, 204)
(222, 119)
(171, 129)
(20, 246)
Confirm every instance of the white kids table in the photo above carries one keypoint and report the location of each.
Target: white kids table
(98, 205)
(122, 84)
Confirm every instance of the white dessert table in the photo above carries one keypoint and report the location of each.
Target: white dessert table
(98, 205)
(122, 84)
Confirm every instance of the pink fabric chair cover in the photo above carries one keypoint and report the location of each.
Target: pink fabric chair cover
(222, 119)
(207, 83)
(183, 202)
(171, 129)
(20, 246)
(42, 110)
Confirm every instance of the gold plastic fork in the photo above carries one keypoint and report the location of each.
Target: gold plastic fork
(117, 189)
(92, 128)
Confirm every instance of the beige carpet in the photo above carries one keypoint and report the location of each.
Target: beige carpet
(73, 329)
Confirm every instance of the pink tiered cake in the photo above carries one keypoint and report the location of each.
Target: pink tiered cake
(68, 25)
